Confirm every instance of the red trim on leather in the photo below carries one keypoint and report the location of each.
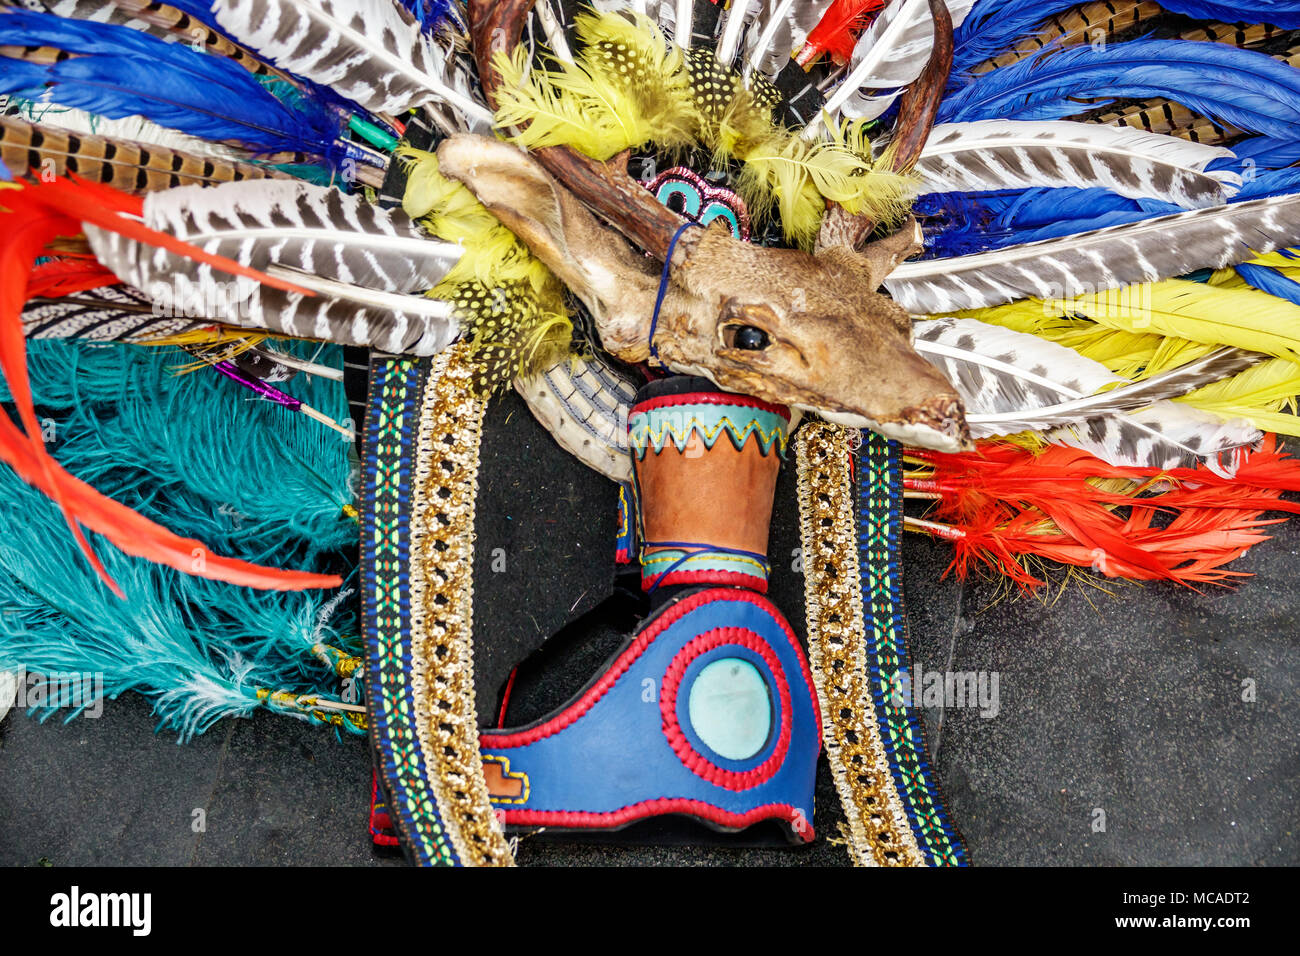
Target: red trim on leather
(704, 576)
(564, 718)
(709, 398)
(695, 761)
(802, 826)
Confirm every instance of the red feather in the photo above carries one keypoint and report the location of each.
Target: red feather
(1004, 503)
(838, 31)
(39, 213)
(60, 277)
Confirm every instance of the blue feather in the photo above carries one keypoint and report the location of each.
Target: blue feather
(993, 26)
(124, 73)
(976, 222)
(429, 13)
(1256, 153)
(1271, 281)
(1272, 182)
(1249, 90)
(1278, 13)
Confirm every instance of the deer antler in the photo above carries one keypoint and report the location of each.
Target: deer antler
(917, 111)
(497, 25)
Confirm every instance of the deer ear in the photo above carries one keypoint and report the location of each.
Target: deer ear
(590, 258)
(878, 259)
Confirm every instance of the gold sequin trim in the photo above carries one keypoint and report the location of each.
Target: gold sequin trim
(878, 831)
(442, 608)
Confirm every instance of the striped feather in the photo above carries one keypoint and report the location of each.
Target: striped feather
(370, 51)
(363, 261)
(997, 154)
(157, 19)
(889, 56)
(1105, 20)
(1012, 382)
(30, 150)
(779, 33)
(106, 314)
(1103, 259)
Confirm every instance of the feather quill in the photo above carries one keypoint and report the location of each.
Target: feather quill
(371, 51)
(363, 259)
(1103, 259)
(785, 27)
(890, 55)
(994, 154)
(733, 22)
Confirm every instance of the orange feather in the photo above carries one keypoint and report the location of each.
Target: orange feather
(1004, 503)
(39, 213)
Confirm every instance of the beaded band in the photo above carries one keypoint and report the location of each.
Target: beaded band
(417, 571)
(856, 647)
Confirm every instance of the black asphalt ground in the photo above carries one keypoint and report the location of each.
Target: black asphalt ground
(1122, 736)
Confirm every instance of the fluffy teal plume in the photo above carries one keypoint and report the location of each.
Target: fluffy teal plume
(225, 466)
(203, 458)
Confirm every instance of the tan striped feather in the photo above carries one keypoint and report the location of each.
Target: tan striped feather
(1173, 119)
(1087, 23)
(28, 149)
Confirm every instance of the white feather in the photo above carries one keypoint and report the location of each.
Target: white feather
(1103, 259)
(890, 54)
(553, 31)
(1009, 380)
(786, 25)
(371, 51)
(733, 23)
(1006, 154)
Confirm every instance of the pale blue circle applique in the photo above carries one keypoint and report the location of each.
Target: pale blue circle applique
(729, 708)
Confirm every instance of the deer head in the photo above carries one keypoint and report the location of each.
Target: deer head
(808, 330)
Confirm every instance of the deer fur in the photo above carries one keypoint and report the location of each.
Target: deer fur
(834, 345)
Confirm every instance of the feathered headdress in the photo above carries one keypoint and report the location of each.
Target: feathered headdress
(1105, 276)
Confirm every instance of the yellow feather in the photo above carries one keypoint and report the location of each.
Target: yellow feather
(1132, 355)
(509, 304)
(627, 87)
(1196, 312)
(1265, 394)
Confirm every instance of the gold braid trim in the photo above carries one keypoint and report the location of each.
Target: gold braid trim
(442, 608)
(878, 830)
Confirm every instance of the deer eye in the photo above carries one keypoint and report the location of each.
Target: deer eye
(747, 338)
